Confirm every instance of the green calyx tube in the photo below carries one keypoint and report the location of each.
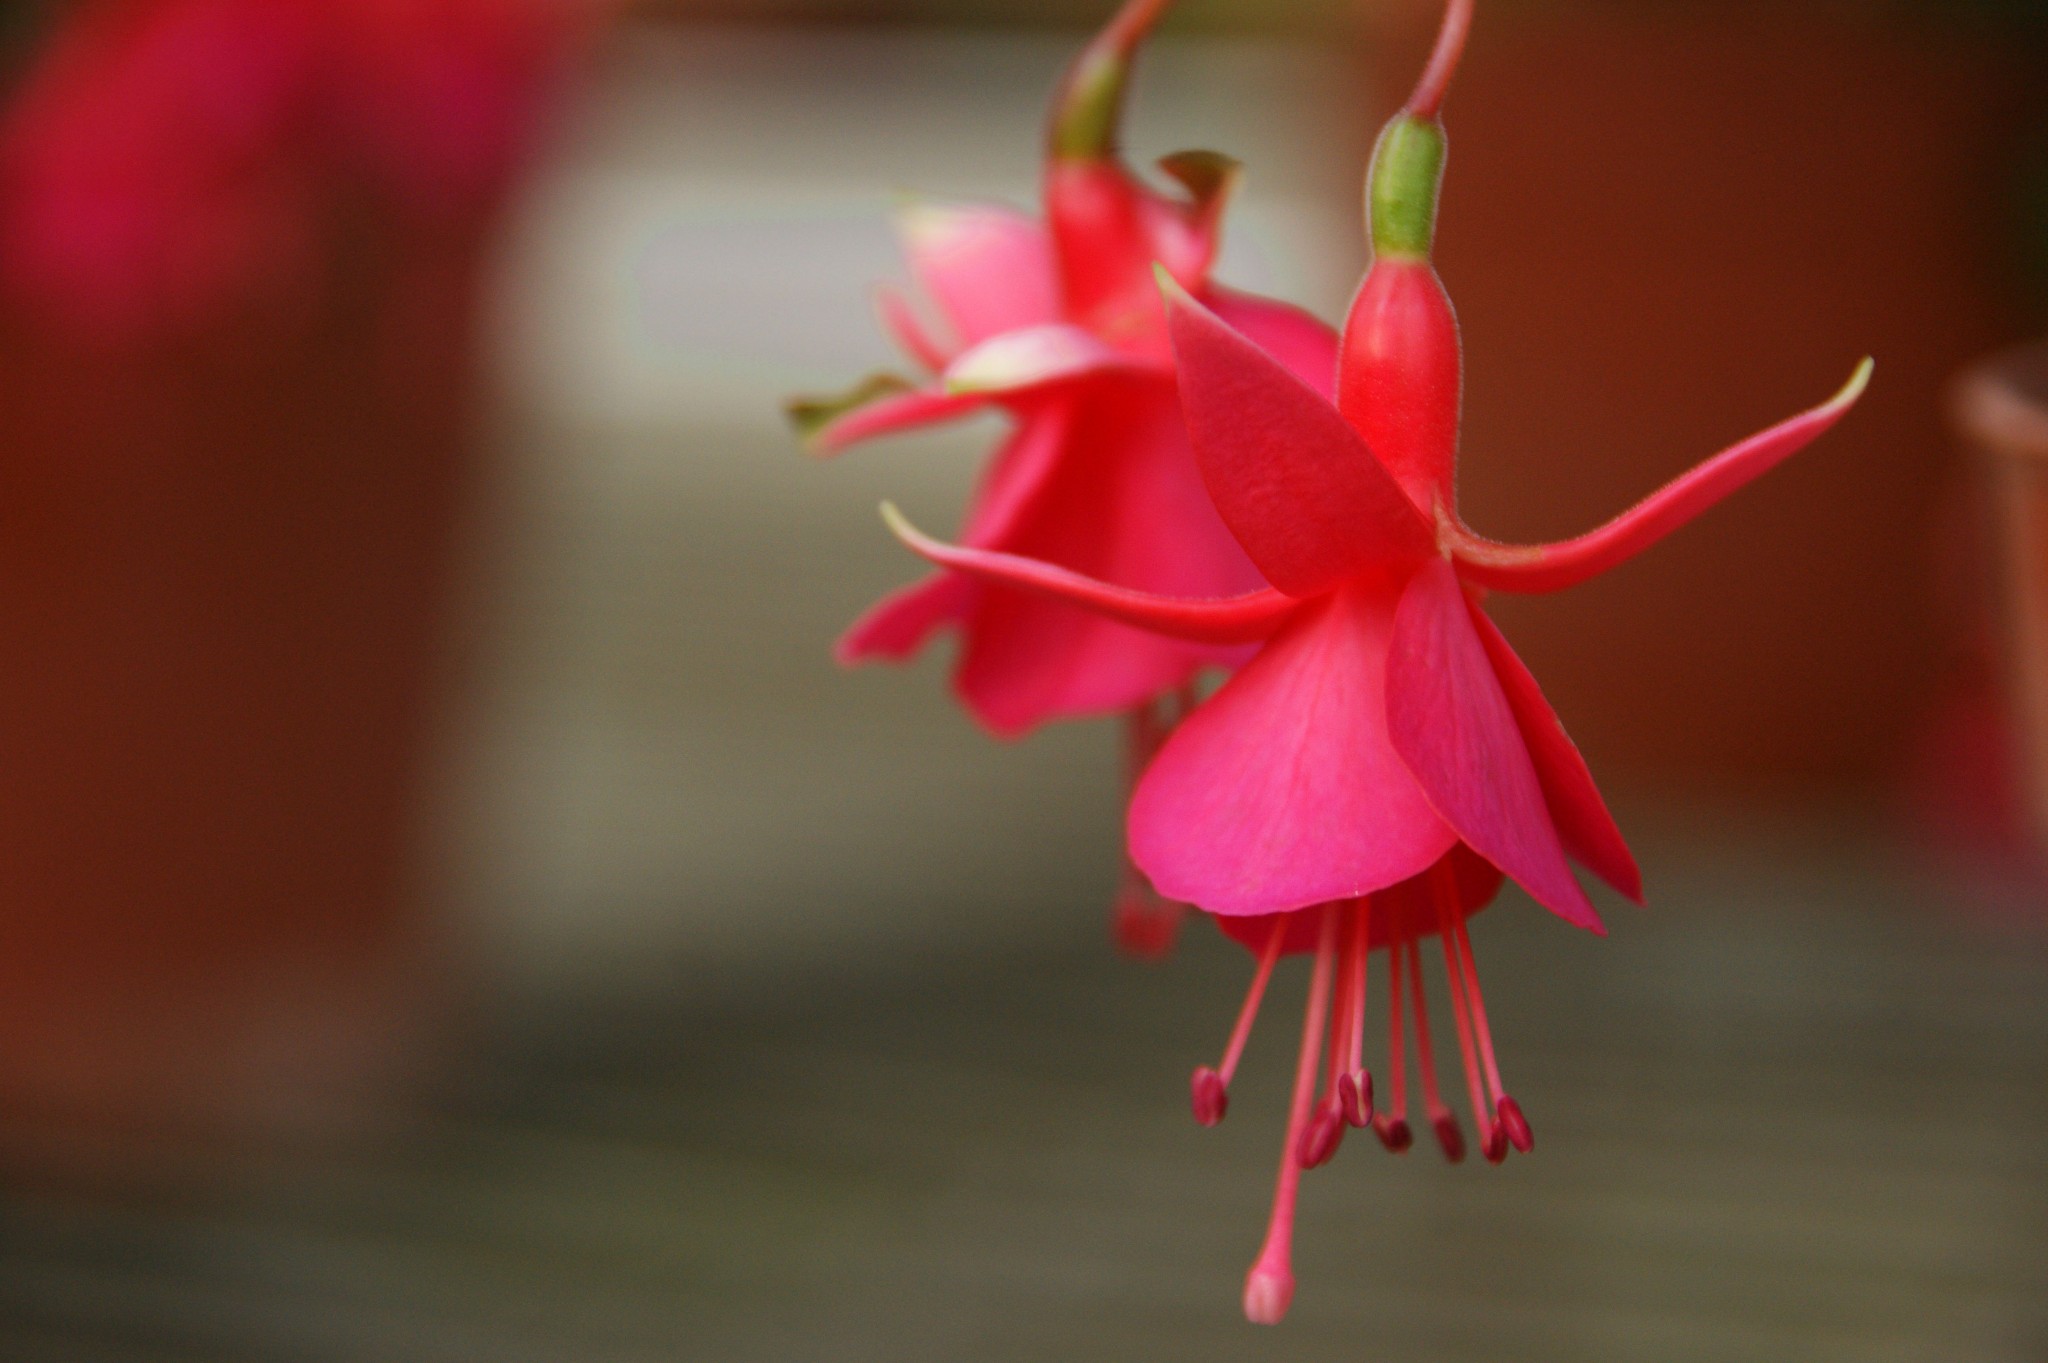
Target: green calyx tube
(1401, 193)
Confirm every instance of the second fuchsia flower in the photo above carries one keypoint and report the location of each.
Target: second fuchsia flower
(1366, 780)
(1058, 324)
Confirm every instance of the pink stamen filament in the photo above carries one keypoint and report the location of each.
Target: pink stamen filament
(1440, 1115)
(1325, 1131)
(1506, 1109)
(1470, 969)
(1445, 885)
(1269, 1287)
(1392, 1126)
(1356, 1092)
(1211, 1088)
(1249, 1014)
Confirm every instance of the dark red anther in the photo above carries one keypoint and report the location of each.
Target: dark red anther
(1515, 1124)
(1450, 1136)
(1494, 1143)
(1354, 1097)
(1211, 1097)
(1394, 1133)
(1321, 1137)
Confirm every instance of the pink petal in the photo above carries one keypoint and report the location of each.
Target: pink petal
(1122, 504)
(892, 415)
(1583, 823)
(1015, 480)
(1284, 790)
(988, 269)
(902, 622)
(1230, 620)
(1453, 727)
(1553, 567)
(901, 321)
(1306, 344)
(1295, 484)
(1033, 357)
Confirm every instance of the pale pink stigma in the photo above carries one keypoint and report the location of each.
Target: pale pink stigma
(1269, 1287)
(1268, 1292)
(1211, 1087)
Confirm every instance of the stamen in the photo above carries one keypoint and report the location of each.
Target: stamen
(1392, 1127)
(1326, 1129)
(1446, 918)
(1448, 1133)
(1269, 1287)
(1507, 1111)
(1516, 1125)
(1210, 1088)
(1354, 1086)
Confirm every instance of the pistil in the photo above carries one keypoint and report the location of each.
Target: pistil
(1269, 1287)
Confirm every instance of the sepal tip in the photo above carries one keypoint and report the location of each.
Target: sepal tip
(812, 416)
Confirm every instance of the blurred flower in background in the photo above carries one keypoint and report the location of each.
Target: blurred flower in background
(166, 159)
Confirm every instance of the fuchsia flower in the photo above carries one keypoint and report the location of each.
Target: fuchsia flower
(1059, 325)
(1369, 776)
(165, 156)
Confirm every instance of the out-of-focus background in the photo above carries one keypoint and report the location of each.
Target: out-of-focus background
(451, 906)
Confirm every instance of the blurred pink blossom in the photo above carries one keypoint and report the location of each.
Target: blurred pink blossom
(163, 159)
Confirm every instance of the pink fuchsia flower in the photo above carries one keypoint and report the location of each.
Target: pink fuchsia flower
(1058, 324)
(1369, 775)
(165, 158)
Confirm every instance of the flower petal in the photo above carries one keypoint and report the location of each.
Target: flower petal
(1583, 823)
(1553, 567)
(1229, 620)
(1452, 725)
(901, 623)
(900, 320)
(1283, 790)
(1293, 481)
(989, 269)
(1032, 357)
(1123, 503)
(1303, 342)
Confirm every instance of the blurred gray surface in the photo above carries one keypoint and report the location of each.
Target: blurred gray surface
(1794, 1111)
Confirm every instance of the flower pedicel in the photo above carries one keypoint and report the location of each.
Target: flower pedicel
(1059, 325)
(1368, 777)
